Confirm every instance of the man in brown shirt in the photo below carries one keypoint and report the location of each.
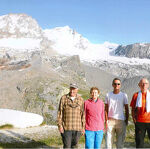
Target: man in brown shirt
(71, 118)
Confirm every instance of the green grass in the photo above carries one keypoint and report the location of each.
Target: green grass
(6, 126)
(43, 123)
(32, 144)
(44, 143)
(84, 93)
(51, 107)
(65, 85)
(82, 140)
(53, 141)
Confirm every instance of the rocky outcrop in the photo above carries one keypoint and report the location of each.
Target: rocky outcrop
(69, 67)
(137, 50)
(21, 37)
(121, 69)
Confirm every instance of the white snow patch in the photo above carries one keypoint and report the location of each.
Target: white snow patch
(20, 43)
(19, 119)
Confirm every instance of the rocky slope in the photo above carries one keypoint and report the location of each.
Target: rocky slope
(33, 76)
(137, 50)
(32, 79)
(39, 87)
(121, 69)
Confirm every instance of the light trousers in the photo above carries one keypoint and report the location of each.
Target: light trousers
(118, 128)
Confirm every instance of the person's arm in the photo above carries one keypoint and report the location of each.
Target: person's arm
(106, 115)
(103, 112)
(83, 117)
(106, 108)
(133, 112)
(133, 106)
(126, 113)
(59, 117)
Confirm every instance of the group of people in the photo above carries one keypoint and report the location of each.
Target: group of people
(92, 117)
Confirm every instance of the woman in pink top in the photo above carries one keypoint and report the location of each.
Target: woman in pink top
(94, 115)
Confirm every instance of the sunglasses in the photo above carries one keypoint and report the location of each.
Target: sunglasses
(116, 83)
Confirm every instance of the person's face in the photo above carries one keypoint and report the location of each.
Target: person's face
(116, 85)
(144, 85)
(73, 92)
(94, 94)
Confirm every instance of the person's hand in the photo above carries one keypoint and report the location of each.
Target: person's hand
(83, 132)
(134, 120)
(61, 130)
(105, 128)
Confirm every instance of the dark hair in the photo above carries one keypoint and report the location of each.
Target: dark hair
(115, 80)
(94, 88)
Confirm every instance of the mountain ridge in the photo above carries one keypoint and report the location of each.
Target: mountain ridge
(35, 75)
(137, 50)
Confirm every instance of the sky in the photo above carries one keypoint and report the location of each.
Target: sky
(117, 21)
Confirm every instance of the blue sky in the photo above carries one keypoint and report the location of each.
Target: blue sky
(118, 21)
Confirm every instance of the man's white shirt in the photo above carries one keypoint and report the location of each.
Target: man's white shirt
(116, 104)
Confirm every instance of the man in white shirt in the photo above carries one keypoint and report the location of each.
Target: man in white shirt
(116, 121)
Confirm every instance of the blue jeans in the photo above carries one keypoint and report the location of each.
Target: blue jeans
(93, 139)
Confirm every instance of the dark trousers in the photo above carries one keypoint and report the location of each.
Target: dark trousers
(140, 131)
(70, 138)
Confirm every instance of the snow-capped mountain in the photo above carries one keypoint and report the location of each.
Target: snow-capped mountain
(37, 78)
(20, 36)
(20, 33)
(67, 41)
(18, 26)
(102, 56)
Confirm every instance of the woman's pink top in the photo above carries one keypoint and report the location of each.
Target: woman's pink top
(94, 115)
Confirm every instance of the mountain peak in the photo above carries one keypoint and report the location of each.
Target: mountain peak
(19, 25)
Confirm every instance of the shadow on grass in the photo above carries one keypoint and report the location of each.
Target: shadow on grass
(15, 140)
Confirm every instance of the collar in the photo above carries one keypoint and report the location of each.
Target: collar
(93, 100)
(68, 96)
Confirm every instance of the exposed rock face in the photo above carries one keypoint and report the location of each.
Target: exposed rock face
(21, 38)
(19, 25)
(137, 50)
(70, 67)
(121, 69)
